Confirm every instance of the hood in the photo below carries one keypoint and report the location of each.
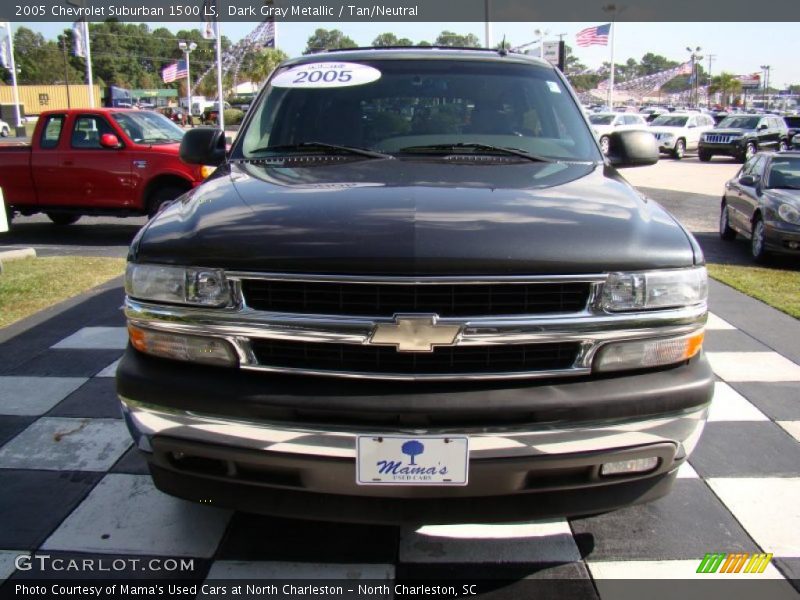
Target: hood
(417, 217)
(729, 131)
(600, 129)
(664, 129)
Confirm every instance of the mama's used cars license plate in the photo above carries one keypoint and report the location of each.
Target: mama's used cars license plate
(404, 460)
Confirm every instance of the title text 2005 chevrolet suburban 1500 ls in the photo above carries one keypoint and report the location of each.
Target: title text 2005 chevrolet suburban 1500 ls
(415, 290)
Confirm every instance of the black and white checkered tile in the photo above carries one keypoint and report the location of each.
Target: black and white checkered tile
(72, 486)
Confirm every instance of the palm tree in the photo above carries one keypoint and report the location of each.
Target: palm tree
(726, 84)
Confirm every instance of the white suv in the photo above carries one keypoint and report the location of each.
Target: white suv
(678, 132)
(606, 123)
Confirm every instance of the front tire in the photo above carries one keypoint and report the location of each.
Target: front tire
(749, 151)
(161, 197)
(62, 219)
(4, 132)
(758, 241)
(679, 150)
(782, 147)
(704, 156)
(725, 230)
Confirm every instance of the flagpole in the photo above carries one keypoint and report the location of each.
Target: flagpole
(221, 111)
(89, 77)
(14, 89)
(611, 79)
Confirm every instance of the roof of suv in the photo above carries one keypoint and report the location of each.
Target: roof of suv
(419, 53)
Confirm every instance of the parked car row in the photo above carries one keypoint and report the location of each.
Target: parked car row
(737, 136)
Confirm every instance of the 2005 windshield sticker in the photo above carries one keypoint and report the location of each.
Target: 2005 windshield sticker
(326, 75)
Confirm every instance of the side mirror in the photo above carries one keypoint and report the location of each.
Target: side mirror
(109, 140)
(632, 149)
(762, 126)
(203, 146)
(748, 180)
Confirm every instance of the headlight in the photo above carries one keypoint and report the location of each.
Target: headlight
(789, 213)
(655, 289)
(643, 354)
(177, 285)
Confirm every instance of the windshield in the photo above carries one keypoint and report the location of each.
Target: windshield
(784, 173)
(389, 106)
(148, 127)
(601, 119)
(667, 121)
(739, 122)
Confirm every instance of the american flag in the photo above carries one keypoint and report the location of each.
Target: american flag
(594, 36)
(174, 71)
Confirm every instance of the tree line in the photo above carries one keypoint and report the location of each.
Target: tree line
(133, 55)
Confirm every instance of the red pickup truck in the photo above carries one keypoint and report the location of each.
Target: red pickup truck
(104, 161)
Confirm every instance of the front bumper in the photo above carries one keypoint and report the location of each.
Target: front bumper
(734, 149)
(782, 238)
(278, 445)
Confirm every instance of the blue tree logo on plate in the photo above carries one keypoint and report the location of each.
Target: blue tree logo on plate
(413, 448)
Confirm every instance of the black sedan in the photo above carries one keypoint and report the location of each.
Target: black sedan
(762, 203)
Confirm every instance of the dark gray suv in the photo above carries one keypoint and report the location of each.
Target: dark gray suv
(415, 290)
(741, 136)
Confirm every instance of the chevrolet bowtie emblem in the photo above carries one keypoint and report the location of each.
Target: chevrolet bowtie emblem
(414, 333)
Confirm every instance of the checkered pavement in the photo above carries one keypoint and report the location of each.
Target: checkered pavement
(71, 485)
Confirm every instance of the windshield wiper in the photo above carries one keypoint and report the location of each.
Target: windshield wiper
(477, 146)
(324, 146)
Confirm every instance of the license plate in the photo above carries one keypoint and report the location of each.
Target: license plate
(406, 460)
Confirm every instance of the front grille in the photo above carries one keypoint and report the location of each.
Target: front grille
(445, 300)
(718, 139)
(355, 358)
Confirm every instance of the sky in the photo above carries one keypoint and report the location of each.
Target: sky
(731, 43)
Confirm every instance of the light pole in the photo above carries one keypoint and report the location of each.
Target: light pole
(540, 34)
(710, 58)
(694, 88)
(187, 49)
(765, 69)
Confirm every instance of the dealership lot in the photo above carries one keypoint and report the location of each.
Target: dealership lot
(75, 487)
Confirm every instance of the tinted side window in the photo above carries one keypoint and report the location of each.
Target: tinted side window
(87, 131)
(51, 132)
(757, 167)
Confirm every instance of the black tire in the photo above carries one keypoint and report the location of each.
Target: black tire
(749, 151)
(704, 156)
(5, 131)
(162, 196)
(680, 149)
(758, 241)
(725, 231)
(63, 218)
(604, 144)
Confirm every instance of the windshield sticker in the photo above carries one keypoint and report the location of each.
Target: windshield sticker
(326, 75)
(554, 87)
